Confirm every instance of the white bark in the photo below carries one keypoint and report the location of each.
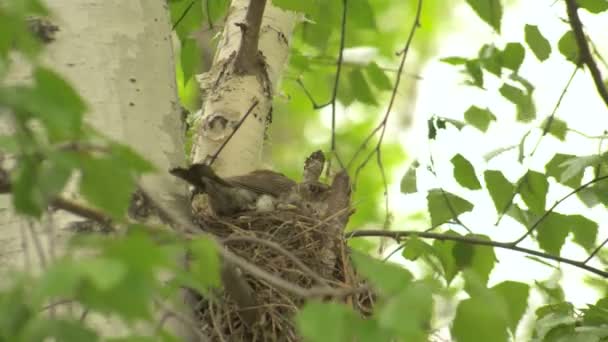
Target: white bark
(227, 98)
(118, 55)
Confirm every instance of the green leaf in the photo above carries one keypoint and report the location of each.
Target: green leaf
(568, 48)
(408, 182)
(533, 191)
(473, 69)
(560, 309)
(489, 11)
(360, 88)
(190, 57)
(27, 197)
(515, 296)
(481, 318)
(206, 263)
(593, 6)
(464, 173)
(60, 280)
(104, 273)
(107, 184)
(190, 17)
(296, 6)
(556, 167)
(385, 276)
(479, 118)
(558, 128)
(483, 258)
(454, 60)
(444, 206)
(445, 253)
(414, 248)
(491, 59)
(526, 110)
(577, 165)
(583, 229)
(537, 42)
(57, 105)
(596, 315)
(500, 189)
(552, 232)
(320, 322)
(408, 314)
(43, 329)
(513, 55)
(378, 77)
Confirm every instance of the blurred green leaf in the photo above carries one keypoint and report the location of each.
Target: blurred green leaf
(568, 48)
(593, 6)
(320, 322)
(378, 77)
(479, 118)
(526, 110)
(454, 60)
(515, 296)
(408, 182)
(556, 167)
(500, 189)
(296, 6)
(537, 42)
(43, 329)
(190, 56)
(473, 69)
(186, 17)
(596, 315)
(206, 263)
(444, 206)
(445, 253)
(533, 190)
(385, 276)
(414, 248)
(491, 59)
(489, 11)
(572, 167)
(513, 56)
(481, 318)
(558, 128)
(361, 89)
(408, 313)
(104, 273)
(552, 232)
(464, 173)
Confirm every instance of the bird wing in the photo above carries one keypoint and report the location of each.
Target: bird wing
(264, 182)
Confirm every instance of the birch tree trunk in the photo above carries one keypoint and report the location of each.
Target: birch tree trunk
(230, 89)
(118, 55)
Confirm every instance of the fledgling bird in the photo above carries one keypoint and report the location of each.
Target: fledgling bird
(230, 195)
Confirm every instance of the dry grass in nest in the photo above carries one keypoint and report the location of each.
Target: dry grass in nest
(305, 238)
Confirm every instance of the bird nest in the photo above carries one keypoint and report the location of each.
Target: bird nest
(289, 244)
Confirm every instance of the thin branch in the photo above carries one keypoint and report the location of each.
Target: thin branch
(546, 129)
(247, 54)
(540, 220)
(183, 15)
(399, 235)
(315, 105)
(585, 56)
(37, 244)
(595, 251)
(236, 128)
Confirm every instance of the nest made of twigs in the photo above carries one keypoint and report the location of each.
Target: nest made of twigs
(289, 244)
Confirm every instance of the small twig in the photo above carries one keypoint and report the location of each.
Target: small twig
(398, 235)
(37, 244)
(315, 105)
(334, 94)
(595, 251)
(540, 220)
(183, 15)
(185, 320)
(585, 56)
(236, 128)
(247, 55)
(216, 327)
(282, 251)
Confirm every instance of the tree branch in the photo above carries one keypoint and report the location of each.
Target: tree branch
(247, 55)
(399, 235)
(585, 56)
